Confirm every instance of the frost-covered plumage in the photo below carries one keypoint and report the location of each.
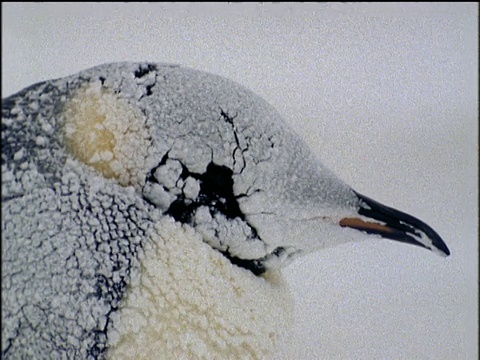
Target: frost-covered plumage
(92, 163)
(192, 303)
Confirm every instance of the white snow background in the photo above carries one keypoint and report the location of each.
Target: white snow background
(386, 95)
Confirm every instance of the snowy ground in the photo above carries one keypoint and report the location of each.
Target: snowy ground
(385, 94)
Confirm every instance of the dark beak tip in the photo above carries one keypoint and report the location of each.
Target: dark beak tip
(444, 249)
(403, 227)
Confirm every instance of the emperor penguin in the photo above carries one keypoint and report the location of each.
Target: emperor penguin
(148, 210)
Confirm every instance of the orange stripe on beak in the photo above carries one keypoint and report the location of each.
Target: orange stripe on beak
(356, 223)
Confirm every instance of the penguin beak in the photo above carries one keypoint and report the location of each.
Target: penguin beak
(396, 225)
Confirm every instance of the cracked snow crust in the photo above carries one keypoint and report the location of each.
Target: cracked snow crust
(92, 161)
